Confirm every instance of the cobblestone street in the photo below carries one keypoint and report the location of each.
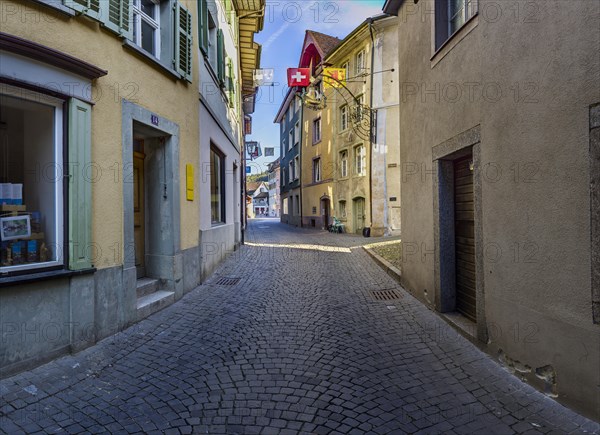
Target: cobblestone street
(297, 345)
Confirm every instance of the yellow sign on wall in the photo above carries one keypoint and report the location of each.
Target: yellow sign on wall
(334, 78)
(189, 182)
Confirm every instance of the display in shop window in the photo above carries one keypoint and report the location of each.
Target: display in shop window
(15, 227)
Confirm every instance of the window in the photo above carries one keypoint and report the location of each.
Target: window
(359, 63)
(31, 179)
(290, 112)
(298, 104)
(451, 15)
(360, 160)
(344, 117)
(344, 164)
(283, 176)
(317, 131)
(285, 206)
(297, 133)
(212, 42)
(291, 140)
(342, 209)
(346, 66)
(291, 171)
(296, 167)
(217, 186)
(146, 26)
(297, 208)
(316, 170)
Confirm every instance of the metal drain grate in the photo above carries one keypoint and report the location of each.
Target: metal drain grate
(385, 295)
(228, 281)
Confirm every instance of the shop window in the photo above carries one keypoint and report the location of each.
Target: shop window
(31, 181)
(217, 186)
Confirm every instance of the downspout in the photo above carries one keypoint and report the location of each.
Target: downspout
(370, 123)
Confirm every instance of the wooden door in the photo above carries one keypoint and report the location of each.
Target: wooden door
(139, 233)
(359, 215)
(325, 212)
(464, 222)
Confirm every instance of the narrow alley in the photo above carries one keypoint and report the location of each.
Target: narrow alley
(284, 338)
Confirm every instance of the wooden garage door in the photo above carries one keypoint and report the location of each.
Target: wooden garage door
(464, 220)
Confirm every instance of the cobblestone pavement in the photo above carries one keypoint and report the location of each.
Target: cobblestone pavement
(298, 345)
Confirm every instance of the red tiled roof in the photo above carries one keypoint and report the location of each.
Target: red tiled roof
(325, 42)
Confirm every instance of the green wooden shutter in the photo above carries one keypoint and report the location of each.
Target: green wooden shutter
(90, 8)
(228, 10)
(221, 57)
(230, 83)
(203, 25)
(183, 42)
(119, 17)
(80, 189)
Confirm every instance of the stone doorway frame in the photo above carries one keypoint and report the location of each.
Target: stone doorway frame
(167, 264)
(443, 156)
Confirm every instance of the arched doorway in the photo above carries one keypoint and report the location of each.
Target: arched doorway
(359, 214)
(325, 206)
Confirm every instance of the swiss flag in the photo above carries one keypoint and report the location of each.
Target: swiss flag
(298, 77)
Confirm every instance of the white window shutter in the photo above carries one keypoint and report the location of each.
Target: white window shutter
(119, 17)
(183, 42)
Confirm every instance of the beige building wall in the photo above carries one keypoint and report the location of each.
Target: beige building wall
(519, 89)
(317, 204)
(352, 191)
(132, 77)
(378, 185)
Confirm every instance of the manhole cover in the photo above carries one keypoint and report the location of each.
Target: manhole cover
(228, 281)
(385, 295)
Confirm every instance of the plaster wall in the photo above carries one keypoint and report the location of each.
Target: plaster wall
(132, 77)
(529, 87)
(314, 192)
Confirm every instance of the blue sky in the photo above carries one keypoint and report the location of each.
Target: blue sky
(281, 40)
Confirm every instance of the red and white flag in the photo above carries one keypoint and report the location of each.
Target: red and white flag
(298, 77)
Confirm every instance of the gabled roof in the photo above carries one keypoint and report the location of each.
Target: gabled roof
(324, 42)
(251, 187)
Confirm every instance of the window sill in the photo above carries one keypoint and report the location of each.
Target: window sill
(156, 61)
(43, 276)
(453, 40)
(317, 142)
(57, 6)
(217, 224)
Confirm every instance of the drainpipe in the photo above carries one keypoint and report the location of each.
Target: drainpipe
(370, 123)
